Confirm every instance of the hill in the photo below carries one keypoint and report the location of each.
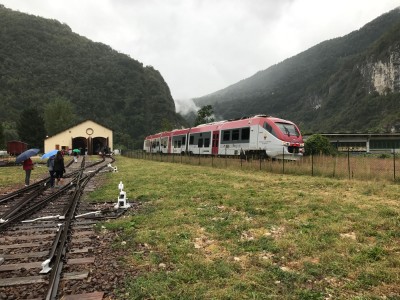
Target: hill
(346, 84)
(42, 60)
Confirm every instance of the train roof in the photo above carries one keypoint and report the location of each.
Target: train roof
(218, 125)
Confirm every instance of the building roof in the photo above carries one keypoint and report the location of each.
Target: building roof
(77, 124)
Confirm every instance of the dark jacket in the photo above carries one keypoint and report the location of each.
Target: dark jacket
(59, 164)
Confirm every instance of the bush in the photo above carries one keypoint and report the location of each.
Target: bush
(318, 144)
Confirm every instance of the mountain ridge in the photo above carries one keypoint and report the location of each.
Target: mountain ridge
(290, 89)
(42, 60)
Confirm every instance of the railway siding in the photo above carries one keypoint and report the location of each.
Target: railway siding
(32, 239)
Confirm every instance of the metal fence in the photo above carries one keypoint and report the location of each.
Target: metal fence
(344, 166)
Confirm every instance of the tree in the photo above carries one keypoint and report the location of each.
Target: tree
(318, 144)
(10, 131)
(166, 125)
(31, 128)
(204, 115)
(58, 115)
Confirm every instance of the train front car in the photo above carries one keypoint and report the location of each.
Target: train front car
(280, 138)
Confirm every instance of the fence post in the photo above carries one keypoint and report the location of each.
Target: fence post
(226, 159)
(394, 163)
(212, 160)
(312, 163)
(348, 160)
(199, 156)
(283, 160)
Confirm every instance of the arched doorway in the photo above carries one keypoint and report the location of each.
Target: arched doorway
(99, 143)
(79, 143)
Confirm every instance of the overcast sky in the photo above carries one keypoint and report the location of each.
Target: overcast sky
(201, 46)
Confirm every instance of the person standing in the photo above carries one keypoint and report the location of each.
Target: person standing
(75, 156)
(28, 167)
(50, 166)
(59, 168)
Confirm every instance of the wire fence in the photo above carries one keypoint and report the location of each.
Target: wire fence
(344, 166)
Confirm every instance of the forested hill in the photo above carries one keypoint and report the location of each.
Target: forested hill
(346, 84)
(42, 61)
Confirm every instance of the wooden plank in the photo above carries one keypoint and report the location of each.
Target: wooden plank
(22, 280)
(24, 245)
(75, 275)
(79, 261)
(82, 233)
(27, 266)
(23, 255)
(30, 230)
(86, 296)
(81, 250)
(27, 237)
(81, 240)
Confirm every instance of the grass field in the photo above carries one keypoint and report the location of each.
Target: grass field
(208, 233)
(205, 233)
(14, 177)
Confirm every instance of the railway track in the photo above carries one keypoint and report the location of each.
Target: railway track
(47, 238)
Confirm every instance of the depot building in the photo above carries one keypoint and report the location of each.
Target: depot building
(88, 136)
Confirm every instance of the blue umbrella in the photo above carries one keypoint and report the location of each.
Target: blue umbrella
(49, 154)
(25, 155)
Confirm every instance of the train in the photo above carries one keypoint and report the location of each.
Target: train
(259, 136)
(16, 147)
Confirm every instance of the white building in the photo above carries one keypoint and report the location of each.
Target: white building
(87, 136)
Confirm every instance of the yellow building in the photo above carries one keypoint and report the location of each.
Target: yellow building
(87, 136)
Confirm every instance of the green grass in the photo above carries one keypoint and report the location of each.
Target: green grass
(208, 233)
(14, 177)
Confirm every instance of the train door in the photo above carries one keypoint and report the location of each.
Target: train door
(215, 141)
(169, 145)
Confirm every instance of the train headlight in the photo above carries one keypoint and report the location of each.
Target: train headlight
(286, 144)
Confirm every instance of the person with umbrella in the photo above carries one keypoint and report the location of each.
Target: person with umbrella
(76, 154)
(50, 164)
(27, 165)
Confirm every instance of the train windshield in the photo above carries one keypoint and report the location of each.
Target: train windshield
(288, 129)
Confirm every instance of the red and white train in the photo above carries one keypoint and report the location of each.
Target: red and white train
(260, 136)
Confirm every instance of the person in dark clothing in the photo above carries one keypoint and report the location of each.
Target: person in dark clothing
(50, 166)
(59, 168)
(27, 167)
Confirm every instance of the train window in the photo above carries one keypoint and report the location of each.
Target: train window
(245, 134)
(206, 142)
(235, 134)
(269, 129)
(191, 140)
(288, 129)
(226, 135)
(183, 140)
(200, 143)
